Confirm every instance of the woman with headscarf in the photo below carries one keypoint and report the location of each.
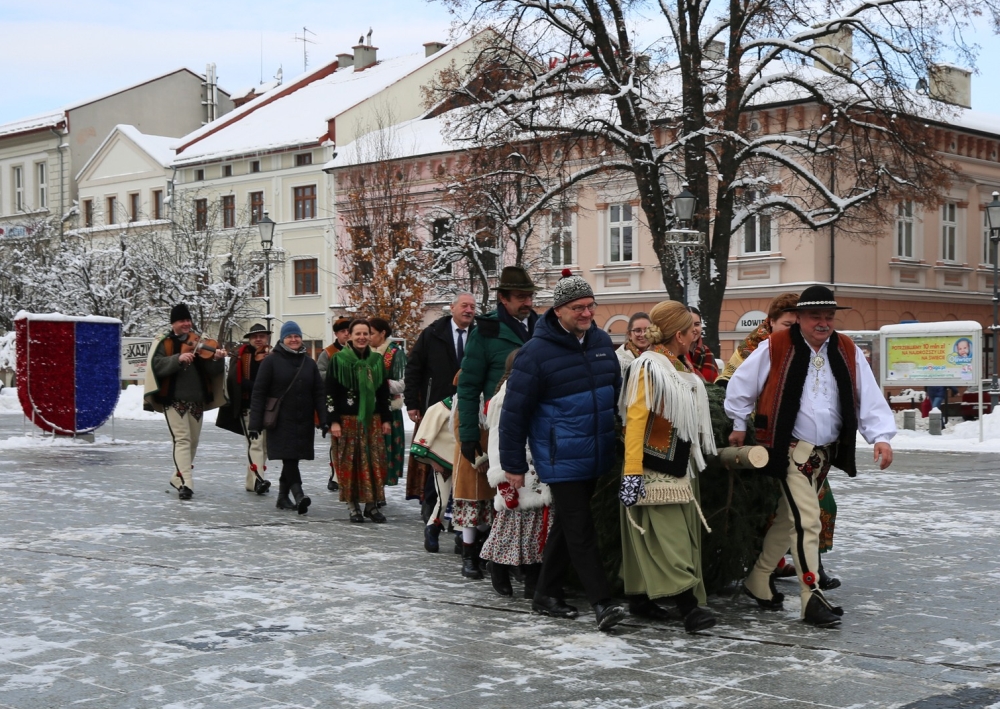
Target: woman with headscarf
(357, 395)
(668, 433)
(290, 375)
(394, 359)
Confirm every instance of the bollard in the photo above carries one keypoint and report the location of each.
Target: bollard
(910, 419)
(934, 422)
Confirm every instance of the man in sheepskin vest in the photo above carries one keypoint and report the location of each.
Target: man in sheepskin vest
(812, 389)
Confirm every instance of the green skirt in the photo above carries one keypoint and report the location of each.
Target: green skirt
(666, 560)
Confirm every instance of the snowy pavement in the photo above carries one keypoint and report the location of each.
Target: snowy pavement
(115, 594)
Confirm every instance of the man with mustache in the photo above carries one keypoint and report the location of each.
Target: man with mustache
(812, 389)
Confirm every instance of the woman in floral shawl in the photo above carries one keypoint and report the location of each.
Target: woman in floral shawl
(357, 395)
(394, 359)
(668, 434)
(636, 342)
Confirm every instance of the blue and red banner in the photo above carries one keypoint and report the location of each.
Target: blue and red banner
(68, 370)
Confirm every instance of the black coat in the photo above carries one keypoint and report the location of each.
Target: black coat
(431, 366)
(292, 438)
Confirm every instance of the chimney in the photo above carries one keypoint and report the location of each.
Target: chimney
(836, 48)
(433, 48)
(715, 51)
(950, 84)
(345, 59)
(364, 56)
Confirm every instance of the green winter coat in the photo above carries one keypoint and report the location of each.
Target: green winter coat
(482, 369)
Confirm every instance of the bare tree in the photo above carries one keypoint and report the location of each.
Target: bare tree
(762, 107)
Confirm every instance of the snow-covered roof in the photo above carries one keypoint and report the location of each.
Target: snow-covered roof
(157, 147)
(273, 121)
(420, 136)
(42, 120)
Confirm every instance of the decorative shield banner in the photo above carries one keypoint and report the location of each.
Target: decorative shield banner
(68, 373)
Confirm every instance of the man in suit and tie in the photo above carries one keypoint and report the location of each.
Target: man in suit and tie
(433, 361)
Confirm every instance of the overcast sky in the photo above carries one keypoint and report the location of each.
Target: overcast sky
(57, 52)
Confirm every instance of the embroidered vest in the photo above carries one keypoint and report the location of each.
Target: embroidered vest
(778, 404)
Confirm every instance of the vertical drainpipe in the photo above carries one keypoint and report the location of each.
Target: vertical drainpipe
(62, 178)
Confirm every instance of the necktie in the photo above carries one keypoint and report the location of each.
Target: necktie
(461, 346)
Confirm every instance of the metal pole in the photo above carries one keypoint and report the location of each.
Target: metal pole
(267, 287)
(995, 386)
(684, 251)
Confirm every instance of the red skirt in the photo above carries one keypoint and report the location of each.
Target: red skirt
(360, 461)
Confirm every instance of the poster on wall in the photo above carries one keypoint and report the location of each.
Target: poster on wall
(135, 352)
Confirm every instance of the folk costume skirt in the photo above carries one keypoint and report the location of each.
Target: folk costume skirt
(395, 449)
(666, 560)
(360, 461)
(518, 536)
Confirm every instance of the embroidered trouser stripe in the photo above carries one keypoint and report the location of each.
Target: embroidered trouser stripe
(185, 431)
(333, 467)
(256, 453)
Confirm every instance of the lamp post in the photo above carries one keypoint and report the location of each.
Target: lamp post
(684, 206)
(993, 218)
(266, 227)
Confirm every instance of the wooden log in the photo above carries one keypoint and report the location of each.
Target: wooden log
(743, 457)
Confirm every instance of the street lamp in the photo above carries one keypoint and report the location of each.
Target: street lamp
(993, 218)
(684, 206)
(266, 227)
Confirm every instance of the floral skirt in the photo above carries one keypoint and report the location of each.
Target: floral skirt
(360, 462)
(395, 449)
(472, 513)
(416, 478)
(518, 536)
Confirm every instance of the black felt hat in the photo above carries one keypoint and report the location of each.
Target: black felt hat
(179, 312)
(255, 328)
(515, 278)
(818, 298)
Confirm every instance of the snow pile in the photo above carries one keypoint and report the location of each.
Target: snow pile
(958, 436)
(9, 403)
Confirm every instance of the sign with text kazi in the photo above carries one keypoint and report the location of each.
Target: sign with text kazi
(135, 352)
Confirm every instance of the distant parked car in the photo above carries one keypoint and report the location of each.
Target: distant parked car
(908, 395)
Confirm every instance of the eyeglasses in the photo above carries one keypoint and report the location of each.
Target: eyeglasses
(639, 330)
(580, 308)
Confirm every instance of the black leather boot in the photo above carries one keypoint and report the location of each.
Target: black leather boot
(301, 501)
(470, 562)
(283, 502)
(530, 572)
(431, 534)
(500, 578)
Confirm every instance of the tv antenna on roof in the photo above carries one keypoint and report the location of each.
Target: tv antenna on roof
(305, 41)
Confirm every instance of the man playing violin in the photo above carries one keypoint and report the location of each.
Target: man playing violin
(184, 378)
(242, 375)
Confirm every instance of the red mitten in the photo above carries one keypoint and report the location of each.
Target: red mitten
(509, 494)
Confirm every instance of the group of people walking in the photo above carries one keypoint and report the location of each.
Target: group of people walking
(517, 416)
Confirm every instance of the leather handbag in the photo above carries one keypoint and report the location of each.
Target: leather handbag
(273, 403)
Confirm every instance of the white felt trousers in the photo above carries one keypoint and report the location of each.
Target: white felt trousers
(185, 431)
(256, 453)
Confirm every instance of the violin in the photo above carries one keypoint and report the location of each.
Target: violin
(263, 352)
(203, 347)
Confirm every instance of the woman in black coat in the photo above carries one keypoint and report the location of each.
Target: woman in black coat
(290, 373)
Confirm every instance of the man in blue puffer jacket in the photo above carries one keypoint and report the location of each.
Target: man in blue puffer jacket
(561, 398)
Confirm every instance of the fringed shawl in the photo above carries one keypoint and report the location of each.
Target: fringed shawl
(361, 374)
(675, 394)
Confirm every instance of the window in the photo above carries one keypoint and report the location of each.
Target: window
(561, 236)
(201, 214)
(88, 212)
(904, 230)
(227, 170)
(256, 207)
(440, 235)
(305, 202)
(111, 216)
(620, 230)
(303, 159)
(157, 204)
(18, 179)
(756, 230)
(133, 207)
(199, 174)
(228, 211)
(361, 240)
(43, 198)
(255, 166)
(306, 276)
(949, 232)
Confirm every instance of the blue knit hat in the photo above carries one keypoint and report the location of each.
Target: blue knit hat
(290, 328)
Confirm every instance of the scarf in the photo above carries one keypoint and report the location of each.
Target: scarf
(363, 374)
